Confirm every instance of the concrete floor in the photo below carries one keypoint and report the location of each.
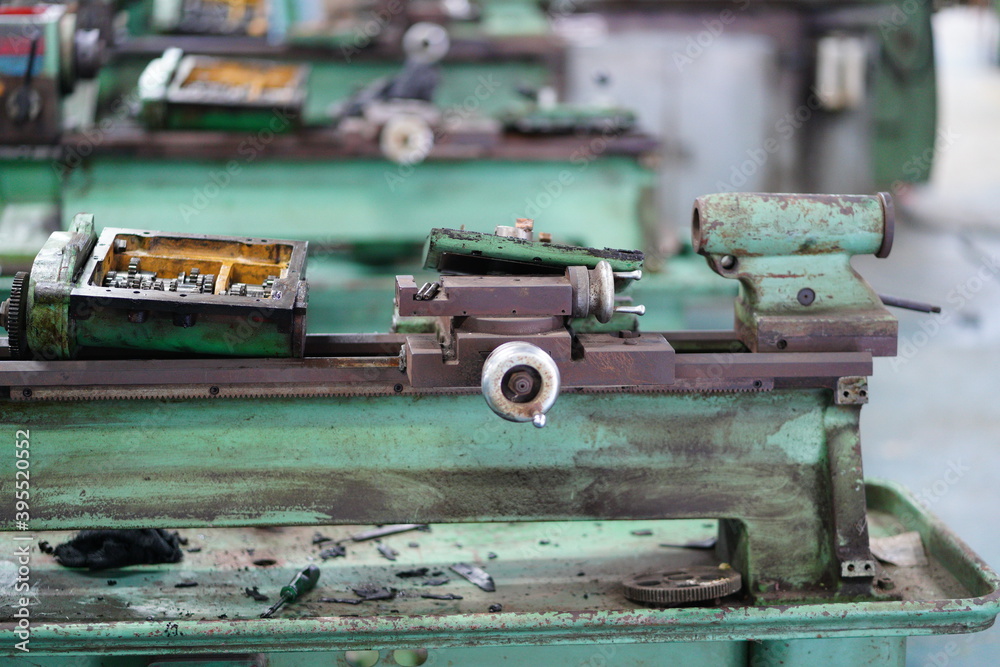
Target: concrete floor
(936, 406)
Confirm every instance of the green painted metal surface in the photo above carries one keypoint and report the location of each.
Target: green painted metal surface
(490, 246)
(830, 652)
(792, 257)
(448, 458)
(48, 323)
(550, 614)
(362, 202)
(27, 180)
(466, 89)
(905, 136)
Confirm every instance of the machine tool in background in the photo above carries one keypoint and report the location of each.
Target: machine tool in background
(48, 48)
(180, 91)
(50, 56)
(606, 188)
(210, 156)
(399, 110)
(546, 115)
(738, 449)
(211, 17)
(143, 291)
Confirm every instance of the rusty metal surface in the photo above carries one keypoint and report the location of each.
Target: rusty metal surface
(362, 365)
(425, 458)
(791, 255)
(537, 566)
(461, 251)
(325, 144)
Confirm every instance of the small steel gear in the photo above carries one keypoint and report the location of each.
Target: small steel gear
(684, 584)
(15, 314)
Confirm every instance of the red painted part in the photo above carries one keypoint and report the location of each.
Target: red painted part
(23, 11)
(19, 46)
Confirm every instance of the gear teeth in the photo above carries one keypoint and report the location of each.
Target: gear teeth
(103, 393)
(683, 585)
(96, 393)
(17, 311)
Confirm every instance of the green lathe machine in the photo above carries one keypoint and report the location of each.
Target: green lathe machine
(552, 483)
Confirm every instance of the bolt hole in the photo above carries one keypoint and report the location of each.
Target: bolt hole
(397, 388)
(26, 392)
(728, 262)
(758, 384)
(846, 394)
(410, 657)
(782, 344)
(806, 296)
(863, 392)
(513, 312)
(214, 391)
(850, 568)
(868, 567)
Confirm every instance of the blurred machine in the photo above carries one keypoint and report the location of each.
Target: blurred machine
(47, 49)
(288, 110)
(692, 496)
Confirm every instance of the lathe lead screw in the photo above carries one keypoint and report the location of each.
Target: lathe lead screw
(302, 583)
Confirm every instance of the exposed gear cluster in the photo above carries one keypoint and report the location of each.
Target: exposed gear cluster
(193, 281)
(189, 282)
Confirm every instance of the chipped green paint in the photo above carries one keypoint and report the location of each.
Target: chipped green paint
(442, 242)
(245, 462)
(556, 624)
(791, 254)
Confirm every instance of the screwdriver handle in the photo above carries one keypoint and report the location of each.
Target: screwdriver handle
(303, 582)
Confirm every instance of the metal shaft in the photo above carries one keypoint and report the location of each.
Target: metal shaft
(907, 304)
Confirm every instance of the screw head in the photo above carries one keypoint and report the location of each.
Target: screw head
(806, 296)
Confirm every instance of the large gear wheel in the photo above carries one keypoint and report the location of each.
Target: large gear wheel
(13, 316)
(681, 585)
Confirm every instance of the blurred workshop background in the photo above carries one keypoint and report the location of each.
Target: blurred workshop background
(931, 410)
(360, 124)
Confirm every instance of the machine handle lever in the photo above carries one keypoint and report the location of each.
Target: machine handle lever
(907, 304)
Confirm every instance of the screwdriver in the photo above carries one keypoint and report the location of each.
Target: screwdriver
(302, 583)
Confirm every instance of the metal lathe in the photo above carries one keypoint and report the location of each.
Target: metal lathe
(551, 483)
